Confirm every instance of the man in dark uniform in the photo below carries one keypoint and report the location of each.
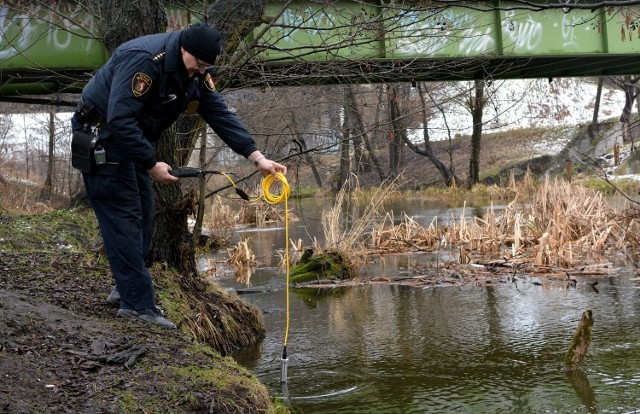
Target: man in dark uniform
(140, 91)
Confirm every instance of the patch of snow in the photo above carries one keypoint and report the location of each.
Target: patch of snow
(21, 181)
(633, 177)
(552, 145)
(529, 103)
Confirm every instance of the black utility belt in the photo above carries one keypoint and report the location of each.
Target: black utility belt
(86, 153)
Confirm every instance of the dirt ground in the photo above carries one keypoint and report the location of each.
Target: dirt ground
(64, 350)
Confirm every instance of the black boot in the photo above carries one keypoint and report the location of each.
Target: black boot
(114, 297)
(149, 315)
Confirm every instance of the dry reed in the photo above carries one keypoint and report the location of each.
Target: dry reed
(259, 214)
(346, 226)
(552, 225)
(220, 216)
(243, 260)
(242, 255)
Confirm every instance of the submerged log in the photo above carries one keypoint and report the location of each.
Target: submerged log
(580, 343)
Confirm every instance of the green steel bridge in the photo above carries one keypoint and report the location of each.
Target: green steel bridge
(53, 50)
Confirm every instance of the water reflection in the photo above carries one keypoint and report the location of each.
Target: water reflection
(393, 349)
(399, 349)
(580, 383)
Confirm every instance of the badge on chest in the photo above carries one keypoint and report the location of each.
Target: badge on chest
(192, 107)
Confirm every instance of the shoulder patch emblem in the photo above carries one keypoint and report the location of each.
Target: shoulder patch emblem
(192, 107)
(140, 84)
(209, 83)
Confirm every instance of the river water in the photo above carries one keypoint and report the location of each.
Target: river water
(393, 349)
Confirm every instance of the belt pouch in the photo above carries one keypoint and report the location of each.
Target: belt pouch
(82, 147)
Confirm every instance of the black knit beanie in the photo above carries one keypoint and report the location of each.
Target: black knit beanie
(201, 41)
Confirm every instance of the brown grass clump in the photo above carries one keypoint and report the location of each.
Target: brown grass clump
(407, 234)
(243, 260)
(550, 228)
(553, 225)
(241, 255)
(208, 313)
(25, 197)
(346, 225)
(220, 216)
(259, 214)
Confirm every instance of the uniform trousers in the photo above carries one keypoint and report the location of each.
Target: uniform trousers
(121, 195)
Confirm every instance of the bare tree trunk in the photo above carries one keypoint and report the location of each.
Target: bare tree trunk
(447, 174)
(477, 107)
(449, 134)
(126, 20)
(235, 19)
(202, 158)
(395, 141)
(358, 126)
(596, 106)
(48, 182)
(593, 128)
(302, 145)
(26, 146)
(345, 164)
(172, 243)
(630, 93)
(351, 106)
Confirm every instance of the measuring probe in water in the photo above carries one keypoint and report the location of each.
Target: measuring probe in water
(183, 172)
(188, 172)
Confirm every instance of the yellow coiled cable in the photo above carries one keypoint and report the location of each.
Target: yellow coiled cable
(271, 198)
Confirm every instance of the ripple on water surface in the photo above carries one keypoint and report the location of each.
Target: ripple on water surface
(389, 349)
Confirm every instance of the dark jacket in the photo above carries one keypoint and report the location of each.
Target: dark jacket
(143, 88)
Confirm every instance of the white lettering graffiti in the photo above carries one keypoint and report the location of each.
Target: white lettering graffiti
(419, 35)
(20, 32)
(569, 31)
(523, 35)
(431, 35)
(474, 41)
(303, 22)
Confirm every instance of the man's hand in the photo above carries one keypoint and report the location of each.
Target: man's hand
(268, 166)
(160, 173)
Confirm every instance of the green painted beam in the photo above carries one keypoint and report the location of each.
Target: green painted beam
(348, 30)
(53, 50)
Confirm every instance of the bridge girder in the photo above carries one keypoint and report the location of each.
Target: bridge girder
(356, 41)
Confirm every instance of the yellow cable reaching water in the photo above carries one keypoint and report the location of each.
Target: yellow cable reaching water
(271, 198)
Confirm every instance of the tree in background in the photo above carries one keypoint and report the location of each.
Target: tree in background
(398, 133)
(48, 182)
(476, 104)
(6, 125)
(364, 152)
(629, 85)
(446, 172)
